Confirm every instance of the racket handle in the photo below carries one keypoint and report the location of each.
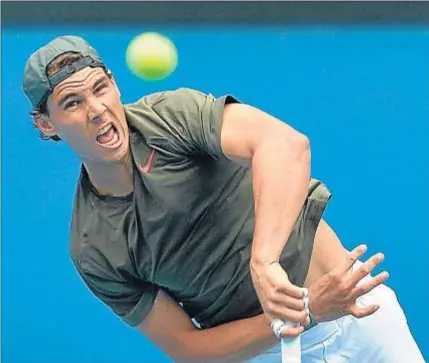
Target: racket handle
(290, 347)
(291, 350)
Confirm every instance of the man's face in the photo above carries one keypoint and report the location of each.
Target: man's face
(86, 111)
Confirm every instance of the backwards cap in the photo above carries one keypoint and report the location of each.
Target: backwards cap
(37, 85)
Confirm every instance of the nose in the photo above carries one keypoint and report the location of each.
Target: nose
(96, 109)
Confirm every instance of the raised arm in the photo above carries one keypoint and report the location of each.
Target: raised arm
(280, 161)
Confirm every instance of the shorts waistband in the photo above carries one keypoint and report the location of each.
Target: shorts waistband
(319, 333)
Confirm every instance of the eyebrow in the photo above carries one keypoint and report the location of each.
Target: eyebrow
(66, 97)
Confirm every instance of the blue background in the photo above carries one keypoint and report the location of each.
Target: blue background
(360, 94)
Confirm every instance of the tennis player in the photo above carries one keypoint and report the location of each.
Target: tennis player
(197, 222)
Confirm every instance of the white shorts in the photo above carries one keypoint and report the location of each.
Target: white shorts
(383, 337)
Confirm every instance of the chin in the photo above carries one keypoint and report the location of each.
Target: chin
(120, 154)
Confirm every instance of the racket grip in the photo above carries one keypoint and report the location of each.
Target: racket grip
(290, 347)
(291, 350)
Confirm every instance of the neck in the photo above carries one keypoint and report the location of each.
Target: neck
(114, 179)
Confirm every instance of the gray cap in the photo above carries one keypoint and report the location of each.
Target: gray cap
(37, 85)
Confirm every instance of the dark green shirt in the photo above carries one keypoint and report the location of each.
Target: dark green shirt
(188, 226)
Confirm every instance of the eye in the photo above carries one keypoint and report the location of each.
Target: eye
(71, 104)
(100, 88)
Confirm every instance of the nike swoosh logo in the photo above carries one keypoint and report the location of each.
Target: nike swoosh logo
(144, 168)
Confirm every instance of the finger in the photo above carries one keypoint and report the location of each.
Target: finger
(291, 290)
(352, 257)
(294, 304)
(288, 302)
(358, 312)
(293, 316)
(366, 268)
(369, 285)
(278, 279)
(292, 332)
(306, 321)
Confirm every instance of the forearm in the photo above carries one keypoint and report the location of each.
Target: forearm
(281, 175)
(232, 342)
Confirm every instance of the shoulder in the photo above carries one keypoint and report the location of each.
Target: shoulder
(175, 106)
(185, 120)
(176, 98)
(159, 115)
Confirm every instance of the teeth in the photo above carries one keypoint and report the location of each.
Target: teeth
(104, 130)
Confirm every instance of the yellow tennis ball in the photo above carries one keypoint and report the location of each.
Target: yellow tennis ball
(151, 56)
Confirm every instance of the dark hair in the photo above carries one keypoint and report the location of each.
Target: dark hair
(53, 67)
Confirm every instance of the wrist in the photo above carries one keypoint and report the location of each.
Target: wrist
(312, 306)
(265, 250)
(259, 262)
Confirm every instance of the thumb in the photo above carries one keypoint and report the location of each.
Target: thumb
(277, 272)
(292, 332)
(359, 313)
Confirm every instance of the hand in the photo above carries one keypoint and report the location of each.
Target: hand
(279, 298)
(334, 294)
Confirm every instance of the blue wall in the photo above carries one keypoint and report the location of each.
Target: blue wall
(362, 96)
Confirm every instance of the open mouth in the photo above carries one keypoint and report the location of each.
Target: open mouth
(108, 136)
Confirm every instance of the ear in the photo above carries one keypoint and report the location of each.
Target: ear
(44, 124)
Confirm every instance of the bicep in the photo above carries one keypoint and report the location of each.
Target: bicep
(168, 326)
(245, 128)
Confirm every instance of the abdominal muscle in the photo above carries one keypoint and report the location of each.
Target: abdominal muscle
(328, 253)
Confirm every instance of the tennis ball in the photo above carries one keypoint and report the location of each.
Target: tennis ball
(151, 56)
